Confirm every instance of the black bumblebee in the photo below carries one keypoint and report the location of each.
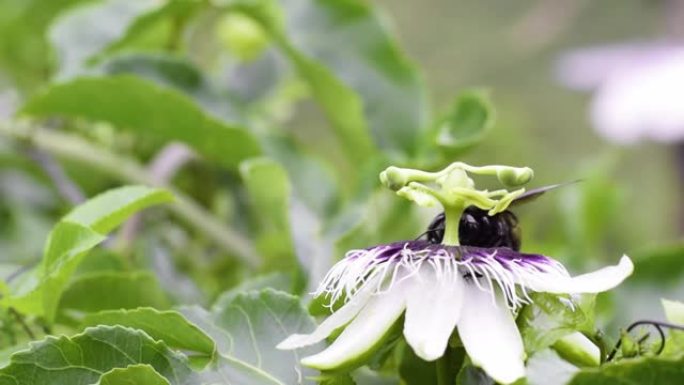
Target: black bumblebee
(477, 228)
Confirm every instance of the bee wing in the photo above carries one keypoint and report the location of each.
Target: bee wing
(535, 193)
(437, 223)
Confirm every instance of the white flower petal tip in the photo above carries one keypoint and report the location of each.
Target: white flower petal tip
(627, 264)
(315, 362)
(606, 278)
(341, 317)
(364, 334)
(295, 341)
(328, 361)
(504, 373)
(490, 336)
(597, 281)
(510, 377)
(432, 310)
(428, 352)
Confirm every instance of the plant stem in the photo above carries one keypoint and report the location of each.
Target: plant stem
(162, 169)
(74, 148)
(64, 185)
(22, 322)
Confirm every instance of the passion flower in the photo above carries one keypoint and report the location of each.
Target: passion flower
(442, 287)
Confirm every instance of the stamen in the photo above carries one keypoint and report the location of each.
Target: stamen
(388, 265)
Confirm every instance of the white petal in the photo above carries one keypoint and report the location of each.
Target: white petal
(490, 337)
(338, 319)
(594, 282)
(432, 309)
(546, 367)
(365, 331)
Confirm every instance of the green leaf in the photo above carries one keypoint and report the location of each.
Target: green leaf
(157, 30)
(470, 118)
(590, 209)
(315, 194)
(365, 376)
(257, 322)
(674, 344)
(25, 55)
(167, 70)
(168, 326)
(230, 371)
(174, 72)
(641, 371)
(415, 371)
(39, 291)
(102, 260)
(86, 357)
(312, 182)
(113, 290)
(247, 327)
(471, 375)
(84, 32)
(356, 71)
(269, 190)
(339, 379)
(674, 311)
(133, 375)
(342, 106)
(277, 281)
(84, 35)
(108, 210)
(81, 230)
(147, 109)
(551, 317)
(660, 266)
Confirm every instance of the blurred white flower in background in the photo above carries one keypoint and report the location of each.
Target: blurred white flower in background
(638, 89)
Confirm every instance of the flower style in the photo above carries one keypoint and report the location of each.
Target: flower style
(442, 287)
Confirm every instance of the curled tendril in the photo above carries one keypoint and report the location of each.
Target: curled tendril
(658, 325)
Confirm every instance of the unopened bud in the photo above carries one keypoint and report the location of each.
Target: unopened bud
(514, 176)
(394, 178)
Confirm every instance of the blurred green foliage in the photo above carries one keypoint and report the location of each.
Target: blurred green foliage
(268, 121)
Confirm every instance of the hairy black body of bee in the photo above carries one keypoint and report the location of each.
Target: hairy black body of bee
(479, 229)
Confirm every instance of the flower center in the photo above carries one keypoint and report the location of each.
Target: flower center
(455, 190)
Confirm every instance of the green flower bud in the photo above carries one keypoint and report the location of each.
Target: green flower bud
(243, 36)
(514, 176)
(628, 346)
(579, 350)
(394, 178)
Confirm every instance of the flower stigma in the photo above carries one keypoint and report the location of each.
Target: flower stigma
(455, 190)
